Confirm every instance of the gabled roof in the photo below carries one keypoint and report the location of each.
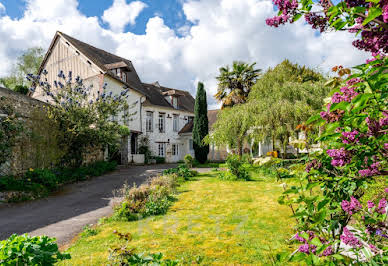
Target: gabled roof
(212, 117)
(107, 61)
(188, 128)
(185, 100)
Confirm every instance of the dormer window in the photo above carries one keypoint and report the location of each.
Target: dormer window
(174, 102)
(120, 74)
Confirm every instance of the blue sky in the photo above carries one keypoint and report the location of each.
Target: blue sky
(170, 10)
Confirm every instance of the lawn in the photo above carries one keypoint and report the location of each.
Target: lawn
(212, 221)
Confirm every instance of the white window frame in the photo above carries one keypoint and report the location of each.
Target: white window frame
(174, 102)
(175, 123)
(149, 121)
(162, 149)
(162, 122)
(175, 149)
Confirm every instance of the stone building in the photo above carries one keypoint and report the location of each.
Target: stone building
(160, 113)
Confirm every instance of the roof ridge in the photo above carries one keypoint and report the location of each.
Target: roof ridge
(94, 47)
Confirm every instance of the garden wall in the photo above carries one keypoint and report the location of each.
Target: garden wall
(37, 146)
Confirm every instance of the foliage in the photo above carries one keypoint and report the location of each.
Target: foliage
(231, 128)
(283, 98)
(42, 181)
(354, 152)
(125, 255)
(236, 167)
(26, 250)
(153, 198)
(247, 158)
(235, 84)
(181, 171)
(367, 18)
(89, 231)
(84, 115)
(28, 62)
(201, 125)
(159, 159)
(188, 160)
(10, 129)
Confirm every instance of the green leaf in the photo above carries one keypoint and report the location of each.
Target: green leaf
(315, 241)
(373, 13)
(323, 204)
(339, 24)
(314, 118)
(341, 105)
(297, 16)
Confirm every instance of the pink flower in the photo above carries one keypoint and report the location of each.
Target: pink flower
(340, 157)
(351, 207)
(348, 238)
(381, 208)
(386, 190)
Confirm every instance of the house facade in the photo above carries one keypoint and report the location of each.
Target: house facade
(162, 115)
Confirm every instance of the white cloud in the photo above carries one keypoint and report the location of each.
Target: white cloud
(2, 8)
(223, 31)
(121, 13)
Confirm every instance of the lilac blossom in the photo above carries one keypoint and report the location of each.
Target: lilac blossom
(340, 157)
(306, 248)
(350, 137)
(372, 170)
(348, 238)
(381, 208)
(351, 206)
(328, 251)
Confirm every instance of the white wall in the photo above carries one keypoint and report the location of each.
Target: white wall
(169, 136)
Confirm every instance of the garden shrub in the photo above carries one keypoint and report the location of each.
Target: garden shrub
(236, 167)
(181, 171)
(89, 231)
(44, 177)
(247, 158)
(26, 250)
(159, 159)
(188, 159)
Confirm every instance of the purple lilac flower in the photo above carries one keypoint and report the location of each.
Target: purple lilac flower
(306, 248)
(384, 121)
(349, 239)
(348, 93)
(328, 251)
(370, 204)
(350, 137)
(372, 170)
(314, 164)
(353, 81)
(336, 98)
(373, 126)
(340, 157)
(381, 208)
(351, 207)
(386, 190)
(299, 238)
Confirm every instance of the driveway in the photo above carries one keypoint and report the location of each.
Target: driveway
(64, 214)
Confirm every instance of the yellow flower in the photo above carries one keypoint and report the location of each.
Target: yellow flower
(31, 170)
(29, 179)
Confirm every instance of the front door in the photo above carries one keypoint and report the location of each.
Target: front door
(133, 143)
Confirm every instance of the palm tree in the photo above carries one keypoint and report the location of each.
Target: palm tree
(235, 84)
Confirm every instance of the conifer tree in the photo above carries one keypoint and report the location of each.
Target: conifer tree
(201, 127)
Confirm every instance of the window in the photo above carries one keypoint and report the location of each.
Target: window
(149, 121)
(162, 122)
(175, 149)
(174, 102)
(175, 124)
(118, 72)
(162, 149)
(124, 77)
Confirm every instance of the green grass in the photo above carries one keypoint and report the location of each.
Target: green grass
(213, 221)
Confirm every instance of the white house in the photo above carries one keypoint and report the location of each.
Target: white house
(162, 114)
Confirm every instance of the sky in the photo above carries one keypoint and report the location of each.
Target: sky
(175, 42)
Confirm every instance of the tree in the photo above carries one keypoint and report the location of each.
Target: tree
(28, 62)
(84, 118)
(369, 18)
(201, 125)
(234, 84)
(231, 127)
(283, 98)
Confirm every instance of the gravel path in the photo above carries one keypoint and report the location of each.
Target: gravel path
(64, 214)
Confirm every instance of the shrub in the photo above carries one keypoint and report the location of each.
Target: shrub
(156, 206)
(181, 171)
(188, 160)
(159, 159)
(236, 167)
(247, 158)
(26, 250)
(44, 177)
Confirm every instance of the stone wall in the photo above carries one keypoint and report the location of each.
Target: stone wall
(37, 146)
